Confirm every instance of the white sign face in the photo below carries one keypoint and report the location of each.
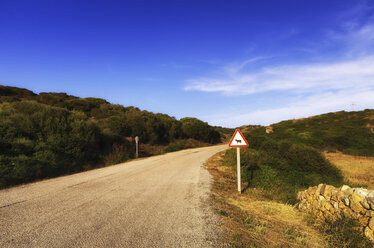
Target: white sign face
(238, 140)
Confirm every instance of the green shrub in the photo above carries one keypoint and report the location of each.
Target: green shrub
(283, 169)
(51, 134)
(347, 132)
(176, 146)
(199, 130)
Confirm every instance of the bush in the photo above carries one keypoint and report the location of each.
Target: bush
(119, 153)
(176, 146)
(348, 132)
(283, 169)
(40, 141)
(196, 129)
(51, 134)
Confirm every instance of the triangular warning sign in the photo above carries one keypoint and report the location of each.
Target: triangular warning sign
(238, 140)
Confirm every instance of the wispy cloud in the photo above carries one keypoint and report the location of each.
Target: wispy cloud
(308, 106)
(324, 86)
(296, 78)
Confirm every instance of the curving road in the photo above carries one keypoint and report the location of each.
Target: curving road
(160, 201)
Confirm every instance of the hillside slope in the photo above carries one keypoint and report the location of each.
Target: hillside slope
(50, 134)
(288, 157)
(281, 161)
(349, 132)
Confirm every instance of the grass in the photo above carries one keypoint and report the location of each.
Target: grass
(282, 169)
(343, 232)
(359, 170)
(251, 220)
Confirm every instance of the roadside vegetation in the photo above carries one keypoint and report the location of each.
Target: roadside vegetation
(253, 220)
(50, 134)
(289, 158)
(282, 169)
(334, 148)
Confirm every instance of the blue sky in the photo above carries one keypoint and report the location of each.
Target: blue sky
(229, 63)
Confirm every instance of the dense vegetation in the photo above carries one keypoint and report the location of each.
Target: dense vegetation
(348, 132)
(289, 159)
(282, 168)
(50, 134)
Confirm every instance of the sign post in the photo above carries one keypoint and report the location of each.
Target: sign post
(238, 141)
(137, 146)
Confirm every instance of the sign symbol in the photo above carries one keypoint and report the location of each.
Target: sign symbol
(238, 140)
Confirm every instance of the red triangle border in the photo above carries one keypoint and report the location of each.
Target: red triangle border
(244, 145)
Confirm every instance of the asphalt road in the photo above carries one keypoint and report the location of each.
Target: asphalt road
(160, 201)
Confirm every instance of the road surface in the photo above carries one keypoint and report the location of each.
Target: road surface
(160, 201)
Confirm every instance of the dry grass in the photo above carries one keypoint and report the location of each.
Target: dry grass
(252, 221)
(357, 169)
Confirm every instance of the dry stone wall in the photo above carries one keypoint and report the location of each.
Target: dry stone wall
(325, 201)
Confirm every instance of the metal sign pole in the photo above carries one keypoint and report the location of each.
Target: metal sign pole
(238, 169)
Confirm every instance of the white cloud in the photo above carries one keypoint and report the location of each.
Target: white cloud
(311, 88)
(319, 88)
(355, 40)
(327, 86)
(308, 106)
(296, 78)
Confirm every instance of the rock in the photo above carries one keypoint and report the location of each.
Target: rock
(328, 206)
(361, 191)
(334, 204)
(357, 198)
(335, 197)
(364, 221)
(355, 204)
(365, 204)
(322, 189)
(369, 233)
(369, 213)
(345, 200)
(334, 192)
(345, 187)
(318, 190)
(328, 191)
(325, 201)
(371, 224)
(370, 201)
(347, 211)
(340, 194)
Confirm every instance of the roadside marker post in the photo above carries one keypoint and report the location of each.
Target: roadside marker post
(137, 146)
(238, 141)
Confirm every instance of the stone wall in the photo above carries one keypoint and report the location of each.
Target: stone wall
(325, 201)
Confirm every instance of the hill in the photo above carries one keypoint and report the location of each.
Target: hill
(284, 159)
(287, 157)
(348, 132)
(50, 134)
